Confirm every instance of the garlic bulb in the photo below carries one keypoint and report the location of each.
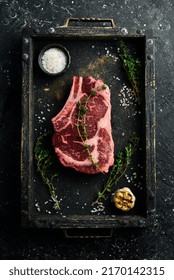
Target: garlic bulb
(124, 199)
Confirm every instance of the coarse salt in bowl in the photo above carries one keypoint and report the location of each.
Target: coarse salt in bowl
(54, 59)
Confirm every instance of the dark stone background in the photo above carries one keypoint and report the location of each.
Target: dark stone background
(150, 243)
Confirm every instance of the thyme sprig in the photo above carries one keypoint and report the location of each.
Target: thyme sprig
(133, 69)
(44, 161)
(119, 168)
(82, 125)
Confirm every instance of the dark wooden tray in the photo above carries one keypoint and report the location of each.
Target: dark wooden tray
(93, 45)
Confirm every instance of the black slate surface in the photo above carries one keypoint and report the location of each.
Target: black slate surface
(150, 243)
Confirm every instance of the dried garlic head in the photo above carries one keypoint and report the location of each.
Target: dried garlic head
(124, 199)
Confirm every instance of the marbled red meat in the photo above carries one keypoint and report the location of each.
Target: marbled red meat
(68, 145)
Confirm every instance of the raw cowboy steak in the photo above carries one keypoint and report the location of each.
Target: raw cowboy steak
(93, 151)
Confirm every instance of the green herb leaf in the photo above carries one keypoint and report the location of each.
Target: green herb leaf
(87, 147)
(104, 86)
(92, 92)
(86, 99)
(101, 195)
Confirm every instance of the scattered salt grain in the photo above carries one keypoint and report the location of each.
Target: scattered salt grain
(54, 60)
(47, 211)
(46, 89)
(37, 206)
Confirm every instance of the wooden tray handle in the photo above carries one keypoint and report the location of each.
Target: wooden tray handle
(110, 20)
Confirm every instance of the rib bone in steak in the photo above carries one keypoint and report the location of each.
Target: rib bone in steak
(93, 153)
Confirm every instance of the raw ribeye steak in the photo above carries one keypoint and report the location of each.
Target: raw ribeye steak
(82, 129)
